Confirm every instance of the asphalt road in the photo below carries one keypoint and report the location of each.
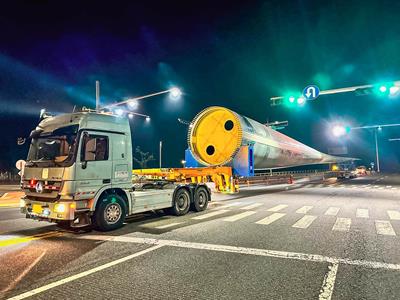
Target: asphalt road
(331, 240)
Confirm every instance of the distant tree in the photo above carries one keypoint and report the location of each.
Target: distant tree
(144, 158)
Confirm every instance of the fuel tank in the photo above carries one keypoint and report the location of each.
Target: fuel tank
(216, 135)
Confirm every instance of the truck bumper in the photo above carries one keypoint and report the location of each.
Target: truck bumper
(52, 212)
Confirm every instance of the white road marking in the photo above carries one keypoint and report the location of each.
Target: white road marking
(393, 188)
(239, 216)
(4, 195)
(168, 225)
(328, 283)
(388, 186)
(272, 218)
(393, 214)
(304, 209)
(304, 222)
(381, 188)
(228, 205)
(243, 250)
(210, 214)
(362, 213)
(376, 186)
(252, 206)
(277, 208)
(84, 274)
(384, 228)
(342, 224)
(332, 211)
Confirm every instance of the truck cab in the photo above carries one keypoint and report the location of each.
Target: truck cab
(79, 173)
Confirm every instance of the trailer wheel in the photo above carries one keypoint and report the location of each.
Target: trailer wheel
(110, 213)
(201, 198)
(181, 203)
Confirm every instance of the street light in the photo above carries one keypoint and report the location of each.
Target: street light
(183, 162)
(175, 93)
(340, 130)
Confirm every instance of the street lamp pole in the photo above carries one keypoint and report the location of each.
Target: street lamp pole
(378, 169)
(160, 152)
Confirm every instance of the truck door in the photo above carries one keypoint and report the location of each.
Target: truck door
(94, 163)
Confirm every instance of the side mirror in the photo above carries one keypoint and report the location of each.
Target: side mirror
(85, 137)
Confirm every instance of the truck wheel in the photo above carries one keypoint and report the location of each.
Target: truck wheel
(181, 203)
(201, 198)
(110, 213)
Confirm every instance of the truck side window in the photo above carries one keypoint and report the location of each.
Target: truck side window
(95, 148)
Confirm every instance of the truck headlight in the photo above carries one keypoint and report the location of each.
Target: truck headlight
(59, 208)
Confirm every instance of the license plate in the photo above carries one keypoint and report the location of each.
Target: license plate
(37, 208)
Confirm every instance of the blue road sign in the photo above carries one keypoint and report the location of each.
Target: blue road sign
(311, 92)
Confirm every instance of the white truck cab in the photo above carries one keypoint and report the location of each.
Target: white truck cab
(79, 173)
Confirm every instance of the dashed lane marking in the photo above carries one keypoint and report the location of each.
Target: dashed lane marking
(239, 216)
(304, 222)
(277, 208)
(362, 213)
(270, 219)
(332, 211)
(252, 206)
(304, 209)
(210, 214)
(384, 228)
(393, 214)
(342, 224)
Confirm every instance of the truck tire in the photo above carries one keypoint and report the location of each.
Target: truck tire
(201, 198)
(181, 202)
(110, 213)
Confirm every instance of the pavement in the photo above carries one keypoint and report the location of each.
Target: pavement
(321, 240)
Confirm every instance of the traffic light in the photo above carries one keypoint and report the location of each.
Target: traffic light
(381, 90)
(292, 101)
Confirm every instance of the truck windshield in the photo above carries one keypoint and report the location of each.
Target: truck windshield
(54, 148)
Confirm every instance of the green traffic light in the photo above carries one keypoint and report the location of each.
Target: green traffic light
(383, 89)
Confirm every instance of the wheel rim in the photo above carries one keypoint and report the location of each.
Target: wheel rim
(112, 213)
(201, 198)
(181, 202)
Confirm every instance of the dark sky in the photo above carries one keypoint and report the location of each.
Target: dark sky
(231, 54)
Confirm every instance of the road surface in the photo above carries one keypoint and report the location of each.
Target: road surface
(330, 240)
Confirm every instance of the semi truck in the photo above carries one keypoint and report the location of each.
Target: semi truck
(78, 174)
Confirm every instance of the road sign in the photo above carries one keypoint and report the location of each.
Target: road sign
(311, 92)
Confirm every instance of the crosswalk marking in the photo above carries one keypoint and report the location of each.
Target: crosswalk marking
(388, 186)
(239, 216)
(272, 218)
(168, 225)
(251, 206)
(211, 214)
(277, 208)
(304, 222)
(304, 209)
(332, 211)
(230, 205)
(393, 214)
(384, 228)
(362, 213)
(342, 224)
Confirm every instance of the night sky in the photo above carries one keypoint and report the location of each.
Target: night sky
(230, 54)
